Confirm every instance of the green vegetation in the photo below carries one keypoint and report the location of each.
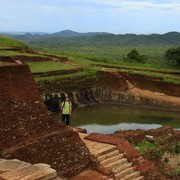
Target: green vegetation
(176, 172)
(49, 66)
(108, 48)
(143, 59)
(163, 77)
(163, 140)
(145, 146)
(174, 149)
(108, 54)
(55, 40)
(173, 56)
(164, 150)
(134, 56)
(136, 68)
(15, 53)
(9, 42)
(86, 72)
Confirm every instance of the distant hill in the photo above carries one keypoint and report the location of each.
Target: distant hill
(70, 33)
(72, 38)
(39, 35)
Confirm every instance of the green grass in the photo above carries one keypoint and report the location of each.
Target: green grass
(164, 77)
(9, 42)
(152, 67)
(114, 54)
(14, 53)
(81, 62)
(87, 72)
(145, 146)
(49, 66)
(88, 56)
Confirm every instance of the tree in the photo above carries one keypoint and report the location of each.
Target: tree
(172, 56)
(134, 56)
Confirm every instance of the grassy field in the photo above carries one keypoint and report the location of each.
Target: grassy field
(14, 53)
(49, 66)
(114, 54)
(9, 42)
(135, 68)
(89, 56)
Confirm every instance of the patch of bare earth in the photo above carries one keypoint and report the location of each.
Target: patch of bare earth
(154, 95)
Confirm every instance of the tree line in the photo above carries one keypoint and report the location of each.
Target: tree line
(172, 57)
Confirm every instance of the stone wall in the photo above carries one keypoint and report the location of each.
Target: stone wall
(104, 95)
(108, 87)
(28, 133)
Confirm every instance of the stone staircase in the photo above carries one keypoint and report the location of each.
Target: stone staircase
(112, 159)
(14, 169)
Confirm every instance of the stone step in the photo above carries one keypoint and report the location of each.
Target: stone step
(108, 155)
(57, 178)
(111, 159)
(12, 165)
(124, 172)
(131, 176)
(121, 167)
(20, 173)
(1, 160)
(104, 150)
(116, 163)
(96, 147)
(139, 178)
(43, 174)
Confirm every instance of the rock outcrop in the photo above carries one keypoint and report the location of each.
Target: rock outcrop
(109, 87)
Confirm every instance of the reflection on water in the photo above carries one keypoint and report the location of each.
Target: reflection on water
(110, 118)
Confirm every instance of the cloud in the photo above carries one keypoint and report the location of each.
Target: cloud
(141, 4)
(49, 9)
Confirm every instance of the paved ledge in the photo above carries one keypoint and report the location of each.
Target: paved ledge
(15, 169)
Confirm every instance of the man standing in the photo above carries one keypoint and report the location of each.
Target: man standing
(66, 108)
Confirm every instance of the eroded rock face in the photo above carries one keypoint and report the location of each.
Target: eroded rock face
(28, 133)
(134, 99)
(111, 87)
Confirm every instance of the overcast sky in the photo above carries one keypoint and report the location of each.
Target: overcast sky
(114, 16)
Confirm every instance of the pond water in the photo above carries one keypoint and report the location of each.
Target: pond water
(107, 119)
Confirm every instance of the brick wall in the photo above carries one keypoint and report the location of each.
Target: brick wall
(28, 133)
(16, 83)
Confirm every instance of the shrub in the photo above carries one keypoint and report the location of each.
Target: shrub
(134, 57)
(173, 56)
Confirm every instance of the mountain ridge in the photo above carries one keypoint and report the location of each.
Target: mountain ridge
(75, 33)
(69, 37)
